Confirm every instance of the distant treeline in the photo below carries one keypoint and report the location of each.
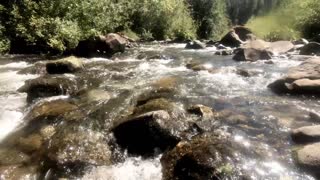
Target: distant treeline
(56, 26)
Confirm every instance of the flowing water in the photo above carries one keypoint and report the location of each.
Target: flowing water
(271, 116)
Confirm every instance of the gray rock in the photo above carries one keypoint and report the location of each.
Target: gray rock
(303, 79)
(306, 134)
(308, 158)
(312, 48)
(195, 45)
(47, 86)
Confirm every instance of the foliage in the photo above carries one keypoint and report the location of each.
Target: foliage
(163, 19)
(210, 17)
(292, 20)
(4, 42)
(240, 11)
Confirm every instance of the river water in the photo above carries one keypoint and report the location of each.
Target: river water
(271, 116)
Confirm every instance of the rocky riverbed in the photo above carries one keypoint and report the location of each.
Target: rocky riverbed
(159, 111)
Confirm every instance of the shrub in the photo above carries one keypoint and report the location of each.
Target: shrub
(290, 21)
(163, 19)
(210, 17)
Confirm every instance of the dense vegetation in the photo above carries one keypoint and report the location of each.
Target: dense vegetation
(292, 20)
(56, 26)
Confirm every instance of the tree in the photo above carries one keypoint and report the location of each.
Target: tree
(210, 17)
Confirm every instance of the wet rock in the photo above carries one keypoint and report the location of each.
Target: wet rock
(303, 79)
(237, 36)
(301, 41)
(202, 67)
(30, 143)
(316, 38)
(224, 53)
(154, 105)
(94, 95)
(204, 157)
(252, 54)
(166, 83)
(306, 134)
(201, 110)
(246, 73)
(36, 68)
(312, 48)
(231, 117)
(49, 109)
(79, 147)
(48, 86)
(148, 133)
(314, 117)
(12, 157)
(308, 158)
(262, 50)
(19, 172)
(102, 45)
(211, 43)
(67, 65)
(195, 45)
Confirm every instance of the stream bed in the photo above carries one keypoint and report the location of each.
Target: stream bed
(260, 120)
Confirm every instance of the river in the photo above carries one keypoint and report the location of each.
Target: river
(271, 116)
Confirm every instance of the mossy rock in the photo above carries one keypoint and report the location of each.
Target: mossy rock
(70, 64)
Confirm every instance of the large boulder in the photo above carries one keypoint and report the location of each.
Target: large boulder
(253, 51)
(304, 79)
(102, 45)
(195, 45)
(67, 65)
(308, 158)
(261, 50)
(47, 86)
(312, 48)
(306, 134)
(148, 133)
(237, 36)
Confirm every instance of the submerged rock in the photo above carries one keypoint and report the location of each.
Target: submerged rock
(306, 134)
(19, 172)
(312, 48)
(148, 133)
(195, 45)
(246, 72)
(36, 68)
(49, 109)
(82, 147)
(67, 65)
(201, 110)
(12, 157)
(303, 79)
(308, 158)
(154, 105)
(47, 86)
(202, 67)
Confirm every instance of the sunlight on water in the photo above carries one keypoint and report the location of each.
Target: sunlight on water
(131, 169)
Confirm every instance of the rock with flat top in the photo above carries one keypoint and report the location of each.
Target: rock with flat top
(306, 134)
